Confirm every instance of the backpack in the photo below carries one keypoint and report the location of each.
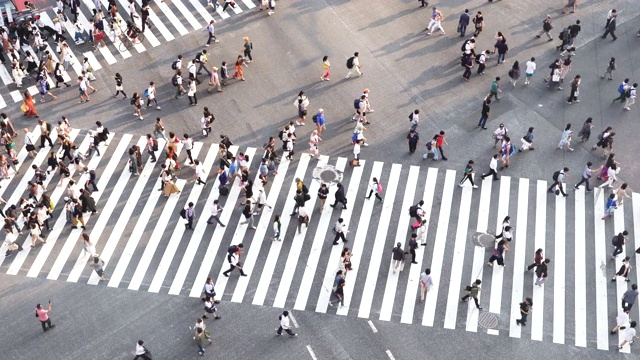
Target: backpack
(155, 145)
(183, 213)
(92, 175)
(564, 34)
(621, 89)
(174, 65)
(356, 103)
(379, 188)
(198, 57)
(556, 175)
(354, 137)
(49, 128)
(281, 135)
(413, 211)
(133, 101)
(628, 93)
(350, 62)
(478, 58)
(410, 117)
(464, 45)
(616, 241)
(315, 118)
(174, 80)
(232, 249)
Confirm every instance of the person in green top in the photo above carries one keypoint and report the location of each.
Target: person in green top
(474, 290)
(495, 88)
(468, 172)
(200, 339)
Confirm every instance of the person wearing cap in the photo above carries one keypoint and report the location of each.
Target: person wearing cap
(284, 324)
(499, 134)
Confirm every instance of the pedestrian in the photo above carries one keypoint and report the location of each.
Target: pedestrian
(610, 68)
(506, 222)
(478, 22)
(629, 335)
(191, 93)
(493, 167)
(189, 214)
(416, 212)
(413, 245)
(361, 114)
(35, 235)
(495, 89)
(314, 140)
(630, 96)
(546, 28)
(530, 69)
(248, 213)
(440, 140)
(575, 84)
(215, 213)
(210, 308)
(571, 6)
(277, 225)
(611, 28)
(239, 74)
(436, 22)
(200, 340)
(622, 90)
(611, 206)
(414, 118)
(525, 310)
(585, 133)
(621, 193)
(463, 22)
(624, 270)
(542, 272)
(537, 260)
(98, 265)
(201, 325)
(629, 298)
(43, 316)
(502, 47)
(498, 253)
(565, 138)
(320, 121)
(353, 64)
(586, 175)
(151, 96)
(233, 259)
(467, 64)
(211, 32)
(339, 230)
(302, 111)
(246, 49)
(426, 282)
(338, 289)
(326, 67)
(284, 324)
(558, 180)
(514, 73)
(412, 140)
(486, 109)
(468, 174)
(323, 192)
(398, 257)
(141, 351)
(136, 101)
(473, 292)
(622, 322)
(340, 197)
(224, 73)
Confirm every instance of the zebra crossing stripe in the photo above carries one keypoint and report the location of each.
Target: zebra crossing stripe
(413, 282)
(497, 278)
(223, 14)
(519, 257)
(16, 95)
(359, 240)
(216, 239)
(276, 246)
(106, 53)
(379, 244)
(621, 286)
(559, 270)
(334, 257)
(174, 241)
(202, 11)
(157, 23)
(439, 247)
(186, 13)
(580, 282)
(459, 247)
(316, 248)
(5, 76)
(93, 62)
(112, 35)
(539, 243)
(296, 244)
(148, 35)
(177, 24)
(249, 4)
(260, 234)
(600, 248)
(198, 233)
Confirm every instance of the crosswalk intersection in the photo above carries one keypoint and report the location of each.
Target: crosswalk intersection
(141, 238)
(170, 21)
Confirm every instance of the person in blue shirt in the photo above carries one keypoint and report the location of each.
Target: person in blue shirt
(610, 207)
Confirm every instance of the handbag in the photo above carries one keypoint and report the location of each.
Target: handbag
(555, 78)
(23, 107)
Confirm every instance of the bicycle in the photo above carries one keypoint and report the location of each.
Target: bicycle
(126, 43)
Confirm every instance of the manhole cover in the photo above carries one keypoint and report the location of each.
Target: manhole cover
(488, 320)
(327, 174)
(484, 239)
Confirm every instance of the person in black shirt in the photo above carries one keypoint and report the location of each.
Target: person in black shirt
(525, 310)
(485, 112)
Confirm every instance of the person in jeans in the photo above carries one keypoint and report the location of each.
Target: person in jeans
(43, 316)
(473, 292)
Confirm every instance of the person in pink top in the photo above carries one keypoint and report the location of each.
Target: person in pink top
(43, 316)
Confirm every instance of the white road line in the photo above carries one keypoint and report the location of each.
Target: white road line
(158, 24)
(479, 252)
(296, 244)
(413, 281)
(600, 249)
(3, 104)
(373, 328)
(439, 247)
(202, 11)
(109, 207)
(6, 77)
(22, 155)
(33, 90)
(236, 9)
(38, 263)
(93, 61)
(621, 286)
(293, 320)
(635, 202)
(360, 237)
(537, 313)
(16, 95)
(519, 257)
(177, 24)
(106, 53)
(223, 14)
(313, 355)
(216, 239)
(390, 355)
(497, 278)
(334, 257)
(186, 13)
(148, 35)
(380, 238)
(559, 270)
(238, 236)
(580, 283)
(249, 4)
(176, 237)
(274, 250)
(316, 248)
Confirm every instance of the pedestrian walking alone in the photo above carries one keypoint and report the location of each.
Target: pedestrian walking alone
(463, 22)
(624, 270)
(340, 197)
(514, 73)
(629, 335)
(141, 351)
(542, 272)
(284, 324)
(498, 253)
(375, 188)
(530, 69)
(412, 140)
(565, 138)
(339, 230)
(398, 257)
(426, 282)
(353, 64)
(473, 292)
(629, 298)
(537, 260)
(413, 245)
(493, 168)
(525, 310)
(326, 68)
(630, 95)
(558, 180)
(98, 266)
(43, 315)
(233, 260)
(546, 28)
(486, 110)
(468, 175)
(575, 89)
(611, 29)
(610, 67)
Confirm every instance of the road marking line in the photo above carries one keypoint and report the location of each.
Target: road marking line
(519, 257)
(390, 355)
(580, 284)
(559, 270)
(373, 328)
(293, 320)
(313, 355)
(497, 277)
(600, 249)
(537, 320)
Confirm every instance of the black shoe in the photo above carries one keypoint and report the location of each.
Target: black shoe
(244, 275)
(414, 262)
(332, 205)
(205, 317)
(335, 243)
(225, 274)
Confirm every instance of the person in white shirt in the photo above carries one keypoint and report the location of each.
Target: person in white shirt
(83, 87)
(193, 68)
(631, 99)
(188, 146)
(493, 168)
(355, 68)
(29, 143)
(531, 68)
(499, 134)
(415, 119)
(303, 218)
(215, 210)
(78, 37)
(629, 335)
(261, 202)
(132, 11)
(314, 140)
(234, 263)
(141, 351)
(199, 173)
(426, 282)
(612, 171)
(151, 95)
(284, 324)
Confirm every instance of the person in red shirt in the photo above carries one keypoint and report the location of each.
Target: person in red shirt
(440, 140)
(43, 316)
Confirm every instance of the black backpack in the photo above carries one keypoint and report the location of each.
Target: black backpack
(478, 58)
(413, 211)
(617, 240)
(628, 93)
(174, 65)
(198, 57)
(356, 103)
(564, 34)
(232, 249)
(174, 80)
(350, 62)
(315, 118)
(464, 45)
(556, 175)
(183, 213)
(411, 117)
(92, 175)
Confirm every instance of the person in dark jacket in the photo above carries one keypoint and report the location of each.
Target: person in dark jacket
(340, 197)
(88, 203)
(463, 22)
(611, 28)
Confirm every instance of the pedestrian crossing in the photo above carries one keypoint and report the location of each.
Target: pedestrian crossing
(145, 246)
(170, 20)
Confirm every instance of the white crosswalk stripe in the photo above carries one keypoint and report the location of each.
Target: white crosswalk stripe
(145, 246)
